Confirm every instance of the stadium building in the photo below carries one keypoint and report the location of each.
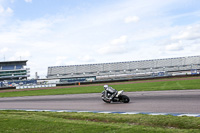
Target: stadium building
(126, 70)
(14, 70)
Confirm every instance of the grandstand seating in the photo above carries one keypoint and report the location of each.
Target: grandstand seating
(129, 67)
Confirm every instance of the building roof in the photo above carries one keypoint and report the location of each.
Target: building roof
(13, 62)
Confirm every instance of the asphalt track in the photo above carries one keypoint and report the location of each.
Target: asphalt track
(175, 101)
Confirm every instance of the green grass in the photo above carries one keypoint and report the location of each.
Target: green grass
(163, 85)
(129, 87)
(32, 122)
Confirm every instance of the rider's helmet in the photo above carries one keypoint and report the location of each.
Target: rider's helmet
(105, 87)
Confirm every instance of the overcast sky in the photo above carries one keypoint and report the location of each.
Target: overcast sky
(72, 32)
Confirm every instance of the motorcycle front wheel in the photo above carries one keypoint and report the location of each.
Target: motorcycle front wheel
(125, 99)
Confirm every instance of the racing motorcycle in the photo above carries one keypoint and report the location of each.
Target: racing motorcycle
(119, 97)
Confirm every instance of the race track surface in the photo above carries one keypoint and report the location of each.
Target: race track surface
(176, 101)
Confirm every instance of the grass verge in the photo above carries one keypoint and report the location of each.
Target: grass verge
(129, 87)
(22, 121)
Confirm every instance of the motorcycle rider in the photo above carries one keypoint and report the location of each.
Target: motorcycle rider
(109, 93)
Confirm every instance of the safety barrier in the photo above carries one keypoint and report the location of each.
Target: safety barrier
(35, 86)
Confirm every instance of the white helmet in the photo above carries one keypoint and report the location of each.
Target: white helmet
(105, 86)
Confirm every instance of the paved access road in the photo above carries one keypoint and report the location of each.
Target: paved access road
(176, 101)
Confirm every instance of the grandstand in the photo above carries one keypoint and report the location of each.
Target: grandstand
(128, 69)
(13, 70)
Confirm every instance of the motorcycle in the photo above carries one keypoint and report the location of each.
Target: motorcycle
(119, 97)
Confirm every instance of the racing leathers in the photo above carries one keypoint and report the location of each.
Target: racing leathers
(109, 93)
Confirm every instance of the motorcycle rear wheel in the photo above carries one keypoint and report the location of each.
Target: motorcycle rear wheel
(106, 101)
(125, 99)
